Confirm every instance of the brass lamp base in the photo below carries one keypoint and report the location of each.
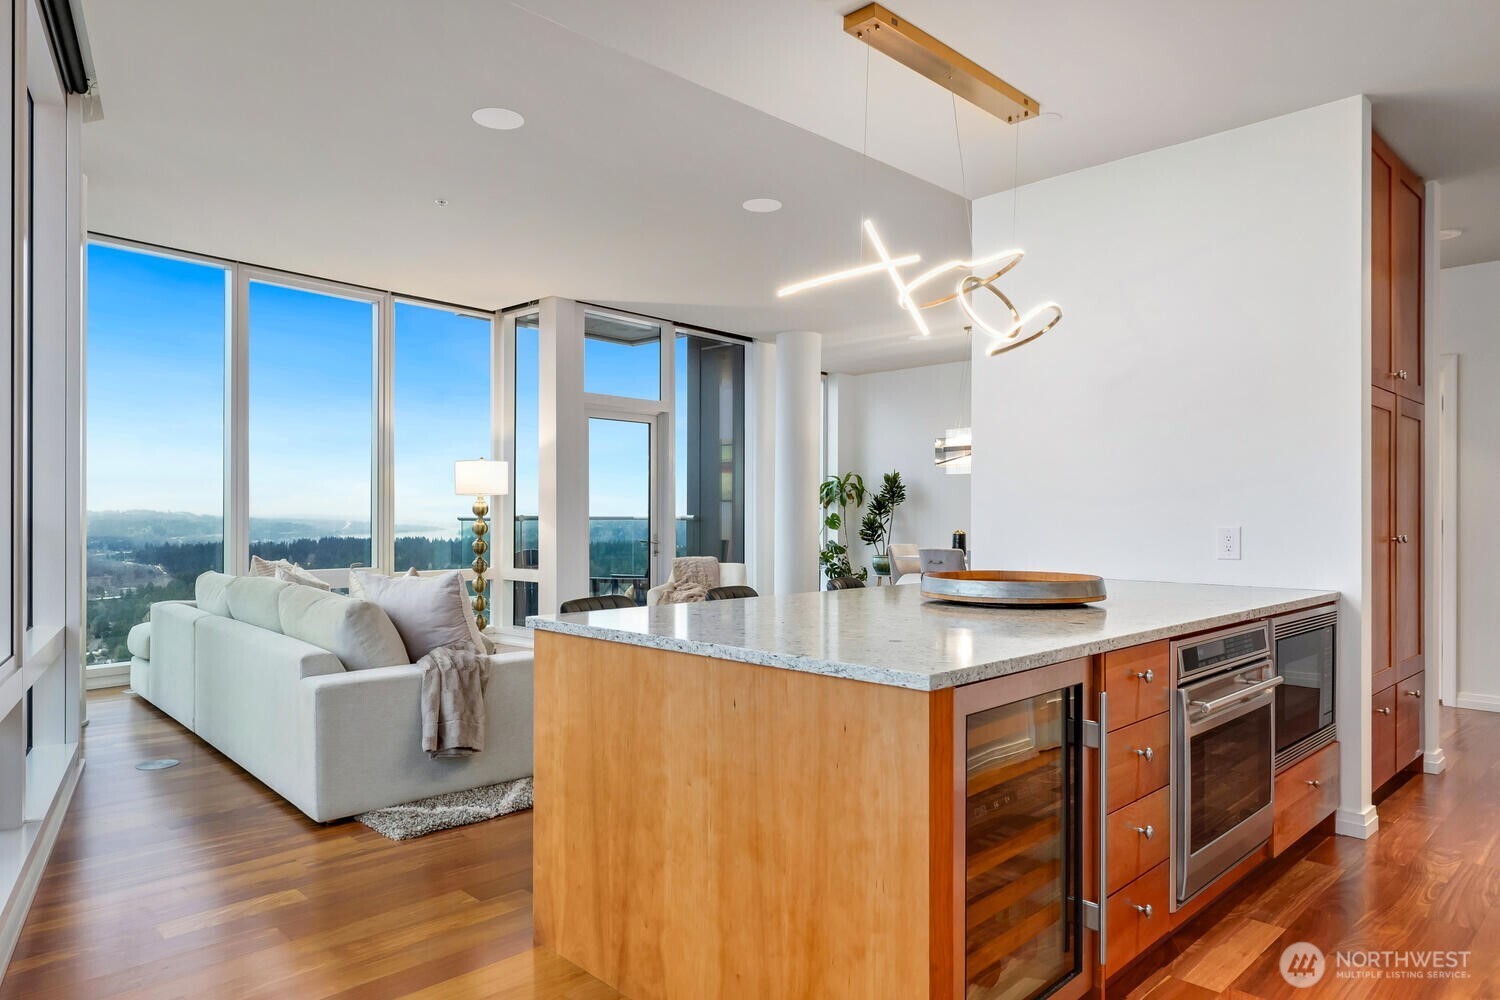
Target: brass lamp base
(480, 546)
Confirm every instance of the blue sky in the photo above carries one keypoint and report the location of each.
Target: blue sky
(156, 334)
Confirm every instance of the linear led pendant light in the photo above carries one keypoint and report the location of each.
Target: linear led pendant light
(917, 50)
(914, 48)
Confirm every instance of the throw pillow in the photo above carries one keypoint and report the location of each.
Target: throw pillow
(293, 573)
(427, 612)
(356, 589)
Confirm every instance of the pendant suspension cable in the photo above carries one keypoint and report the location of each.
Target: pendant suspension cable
(864, 167)
(1015, 184)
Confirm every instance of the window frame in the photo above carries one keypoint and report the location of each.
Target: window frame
(237, 417)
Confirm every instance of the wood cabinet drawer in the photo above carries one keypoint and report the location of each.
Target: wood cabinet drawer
(1306, 794)
(1138, 681)
(1138, 915)
(1410, 695)
(1382, 736)
(1139, 760)
(1139, 838)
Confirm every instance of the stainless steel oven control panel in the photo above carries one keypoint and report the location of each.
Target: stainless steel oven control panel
(1207, 654)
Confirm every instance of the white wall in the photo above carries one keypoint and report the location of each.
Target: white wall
(1210, 370)
(888, 420)
(1469, 326)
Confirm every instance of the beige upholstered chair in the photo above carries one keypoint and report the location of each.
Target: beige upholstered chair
(730, 574)
(906, 563)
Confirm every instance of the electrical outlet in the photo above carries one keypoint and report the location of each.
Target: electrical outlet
(1227, 542)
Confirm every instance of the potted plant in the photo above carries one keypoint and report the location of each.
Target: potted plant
(838, 494)
(880, 519)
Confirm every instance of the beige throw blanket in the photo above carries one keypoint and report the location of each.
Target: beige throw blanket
(453, 682)
(692, 578)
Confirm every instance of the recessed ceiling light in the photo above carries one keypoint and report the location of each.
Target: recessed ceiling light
(440, 202)
(1449, 234)
(503, 119)
(762, 205)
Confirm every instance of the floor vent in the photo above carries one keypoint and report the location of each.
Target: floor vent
(157, 765)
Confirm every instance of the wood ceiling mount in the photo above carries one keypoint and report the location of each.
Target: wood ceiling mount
(916, 49)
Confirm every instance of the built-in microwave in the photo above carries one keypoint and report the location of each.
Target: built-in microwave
(1305, 647)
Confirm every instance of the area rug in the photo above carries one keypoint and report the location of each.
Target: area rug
(444, 812)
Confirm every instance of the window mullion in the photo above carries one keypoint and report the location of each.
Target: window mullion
(237, 426)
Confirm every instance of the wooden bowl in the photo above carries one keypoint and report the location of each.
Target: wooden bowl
(1012, 588)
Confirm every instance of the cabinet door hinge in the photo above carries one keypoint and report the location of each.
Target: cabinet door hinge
(1091, 734)
(1090, 916)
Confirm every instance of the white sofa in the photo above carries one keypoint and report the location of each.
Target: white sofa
(730, 575)
(332, 741)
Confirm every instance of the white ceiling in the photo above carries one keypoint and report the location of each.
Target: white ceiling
(1124, 77)
(315, 136)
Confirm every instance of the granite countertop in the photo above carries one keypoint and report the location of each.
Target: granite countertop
(894, 636)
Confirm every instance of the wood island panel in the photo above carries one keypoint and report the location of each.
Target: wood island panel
(667, 783)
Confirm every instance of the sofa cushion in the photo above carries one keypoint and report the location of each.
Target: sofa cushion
(427, 611)
(139, 641)
(359, 633)
(253, 600)
(357, 589)
(211, 592)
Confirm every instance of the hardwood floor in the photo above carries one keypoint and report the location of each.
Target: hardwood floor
(199, 882)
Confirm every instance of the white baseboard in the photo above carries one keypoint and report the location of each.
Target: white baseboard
(23, 891)
(1435, 762)
(1356, 823)
(1480, 702)
(108, 676)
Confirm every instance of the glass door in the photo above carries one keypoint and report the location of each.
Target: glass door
(624, 547)
(1019, 781)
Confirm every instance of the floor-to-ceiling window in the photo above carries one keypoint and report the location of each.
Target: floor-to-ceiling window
(442, 413)
(311, 405)
(710, 465)
(157, 327)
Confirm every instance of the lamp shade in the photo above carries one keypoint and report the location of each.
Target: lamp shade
(480, 477)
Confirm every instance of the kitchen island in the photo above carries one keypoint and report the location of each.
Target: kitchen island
(858, 793)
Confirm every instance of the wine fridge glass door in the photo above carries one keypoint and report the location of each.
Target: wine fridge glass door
(1022, 849)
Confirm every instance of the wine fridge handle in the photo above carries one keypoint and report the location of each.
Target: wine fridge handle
(1096, 737)
(1103, 859)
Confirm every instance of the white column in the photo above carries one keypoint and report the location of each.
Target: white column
(799, 427)
(760, 462)
(563, 528)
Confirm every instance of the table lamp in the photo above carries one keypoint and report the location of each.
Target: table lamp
(481, 479)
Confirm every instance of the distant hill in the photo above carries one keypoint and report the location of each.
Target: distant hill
(161, 526)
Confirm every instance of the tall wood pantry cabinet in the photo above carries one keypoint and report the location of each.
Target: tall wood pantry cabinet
(1396, 402)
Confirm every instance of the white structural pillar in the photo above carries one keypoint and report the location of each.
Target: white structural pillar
(799, 429)
(760, 449)
(563, 527)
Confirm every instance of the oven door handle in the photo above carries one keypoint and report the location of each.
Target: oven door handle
(1208, 708)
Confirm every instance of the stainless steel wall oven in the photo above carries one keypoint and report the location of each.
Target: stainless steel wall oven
(1224, 733)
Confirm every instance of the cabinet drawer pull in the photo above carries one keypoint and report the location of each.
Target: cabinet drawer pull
(1400, 373)
(1401, 539)
(1148, 675)
(1315, 783)
(1383, 711)
(1144, 911)
(1415, 694)
(1146, 754)
(1148, 831)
